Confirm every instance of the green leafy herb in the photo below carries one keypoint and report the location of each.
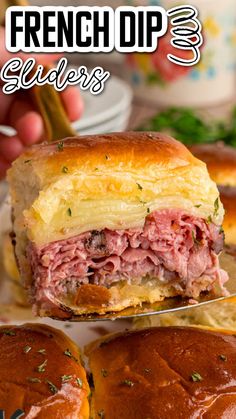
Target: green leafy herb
(8, 332)
(209, 219)
(195, 376)
(79, 382)
(139, 186)
(69, 212)
(42, 351)
(26, 349)
(34, 380)
(65, 169)
(60, 146)
(65, 378)
(68, 353)
(223, 357)
(216, 207)
(198, 206)
(188, 126)
(128, 383)
(104, 372)
(27, 161)
(41, 367)
(101, 414)
(148, 210)
(52, 387)
(96, 168)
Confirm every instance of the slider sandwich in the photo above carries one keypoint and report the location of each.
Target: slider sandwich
(163, 373)
(111, 221)
(41, 374)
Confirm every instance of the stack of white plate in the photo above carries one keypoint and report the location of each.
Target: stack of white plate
(107, 112)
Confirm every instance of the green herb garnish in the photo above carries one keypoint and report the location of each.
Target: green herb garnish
(27, 161)
(104, 372)
(68, 353)
(60, 146)
(195, 376)
(216, 207)
(8, 332)
(69, 212)
(188, 126)
(198, 206)
(79, 382)
(65, 169)
(128, 383)
(65, 378)
(52, 387)
(139, 186)
(209, 219)
(148, 210)
(34, 380)
(41, 367)
(223, 357)
(42, 351)
(26, 349)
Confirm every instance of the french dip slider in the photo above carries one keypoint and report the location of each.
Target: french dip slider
(41, 374)
(110, 221)
(163, 373)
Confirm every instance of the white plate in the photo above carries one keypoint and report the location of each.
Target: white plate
(117, 124)
(114, 100)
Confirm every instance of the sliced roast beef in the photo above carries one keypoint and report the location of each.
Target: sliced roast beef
(172, 247)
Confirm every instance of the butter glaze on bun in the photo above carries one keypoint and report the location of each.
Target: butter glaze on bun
(163, 373)
(41, 374)
(88, 210)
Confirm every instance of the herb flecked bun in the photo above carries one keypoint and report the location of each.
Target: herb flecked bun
(164, 373)
(41, 374)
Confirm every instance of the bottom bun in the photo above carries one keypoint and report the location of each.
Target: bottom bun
(163, 373)
(41, 374)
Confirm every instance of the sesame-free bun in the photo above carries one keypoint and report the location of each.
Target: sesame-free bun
(90, 183)
(103, 178)
(59, 391)
(163, 373)
(220, 160)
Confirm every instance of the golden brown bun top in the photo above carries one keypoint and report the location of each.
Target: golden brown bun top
(23, 386)
(110, 181)
(220, 160)
(130, 149)
(164, 373)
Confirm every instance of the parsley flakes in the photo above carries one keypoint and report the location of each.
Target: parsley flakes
(216, 207)
(52, 387)
(41, 368)
(128, 383)
(195, 376)
(60, 146)
(139, 186)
